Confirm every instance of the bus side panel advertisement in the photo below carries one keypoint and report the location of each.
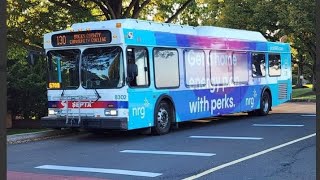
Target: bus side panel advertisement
(211, 102)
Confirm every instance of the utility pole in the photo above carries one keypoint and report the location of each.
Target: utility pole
(317, 30)
(318, 88)
(3, 89)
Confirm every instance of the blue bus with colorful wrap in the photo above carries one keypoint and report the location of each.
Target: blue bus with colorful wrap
(131, 74)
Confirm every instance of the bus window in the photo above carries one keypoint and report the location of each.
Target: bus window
(63, 69)
(221, 64)
(274, 65)
(195, 69)
(258, 64)
(101, 68)
(166, 67)
(240, 67)
(137, 67)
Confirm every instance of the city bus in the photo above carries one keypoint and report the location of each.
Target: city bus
(130, 74)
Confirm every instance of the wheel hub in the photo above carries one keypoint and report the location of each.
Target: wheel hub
(163, 118)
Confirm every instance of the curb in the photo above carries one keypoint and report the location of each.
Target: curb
(303, 100)
(35, 136)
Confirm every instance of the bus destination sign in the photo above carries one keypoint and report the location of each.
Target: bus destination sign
(81, 38)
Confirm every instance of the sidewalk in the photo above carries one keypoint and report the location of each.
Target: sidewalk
(34, 136)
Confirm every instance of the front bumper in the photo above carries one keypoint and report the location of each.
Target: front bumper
(115, 123)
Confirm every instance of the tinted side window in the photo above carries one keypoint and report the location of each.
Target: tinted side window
(195, 69)
(274, 65)
(258, 64)
(166, 67)
(240, 67)
(220, 67)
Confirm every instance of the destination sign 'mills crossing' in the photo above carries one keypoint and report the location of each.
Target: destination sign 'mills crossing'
(81, 38)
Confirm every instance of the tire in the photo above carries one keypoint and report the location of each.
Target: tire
(96, 131)
(163, 116)
(265, 105)
(73, 129)
(252, 113)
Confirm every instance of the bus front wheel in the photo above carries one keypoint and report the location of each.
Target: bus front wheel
(265, 104)
(163, 117)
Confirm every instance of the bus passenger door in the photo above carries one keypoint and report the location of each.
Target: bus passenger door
(249, 93)
(139, 95)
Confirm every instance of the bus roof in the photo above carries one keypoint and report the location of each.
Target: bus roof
(230, 33)
(209, 31)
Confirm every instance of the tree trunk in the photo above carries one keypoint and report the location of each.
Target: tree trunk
(314, 83)
(116, 7)
(300, 72)
(179, 11)
(8, 120)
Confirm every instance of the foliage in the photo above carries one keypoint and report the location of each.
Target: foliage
(290, 20)
(267, 17)
(142, 9)
(26, 85)
(301, 30)
(303, 94)
(198, 13)
(28, 20)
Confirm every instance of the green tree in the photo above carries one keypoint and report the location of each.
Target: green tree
(301, 30)
(294, 19)
(29, 20)
(200, 12)
(263, 16)
(120, 9)
(26, 85)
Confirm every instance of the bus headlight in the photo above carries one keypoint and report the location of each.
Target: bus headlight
(110, 112)
(52, 112)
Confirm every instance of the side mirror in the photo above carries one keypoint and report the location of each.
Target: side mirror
(34, 56)
(31, 58)
(128, 80)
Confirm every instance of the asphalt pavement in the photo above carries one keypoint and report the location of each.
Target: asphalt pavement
(281, 145)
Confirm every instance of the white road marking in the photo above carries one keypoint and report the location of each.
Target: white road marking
(99, 170)
(279, 125)
(226, 137)
(309, 115)
(169, 153)
(247, 157)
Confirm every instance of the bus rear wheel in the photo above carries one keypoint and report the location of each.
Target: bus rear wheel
(163, 116)
(265, 104)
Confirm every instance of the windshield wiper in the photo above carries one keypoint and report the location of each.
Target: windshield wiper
(67, 87)
(62, 94)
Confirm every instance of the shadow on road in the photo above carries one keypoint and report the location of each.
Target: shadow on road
(119, 136)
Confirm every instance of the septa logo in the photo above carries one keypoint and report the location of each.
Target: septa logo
(81, 104)
(76, 104)
(64, 104)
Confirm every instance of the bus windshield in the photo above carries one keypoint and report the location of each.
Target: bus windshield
(102, 68)
(63, 67)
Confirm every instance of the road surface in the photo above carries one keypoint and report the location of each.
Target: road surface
(280, 146)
